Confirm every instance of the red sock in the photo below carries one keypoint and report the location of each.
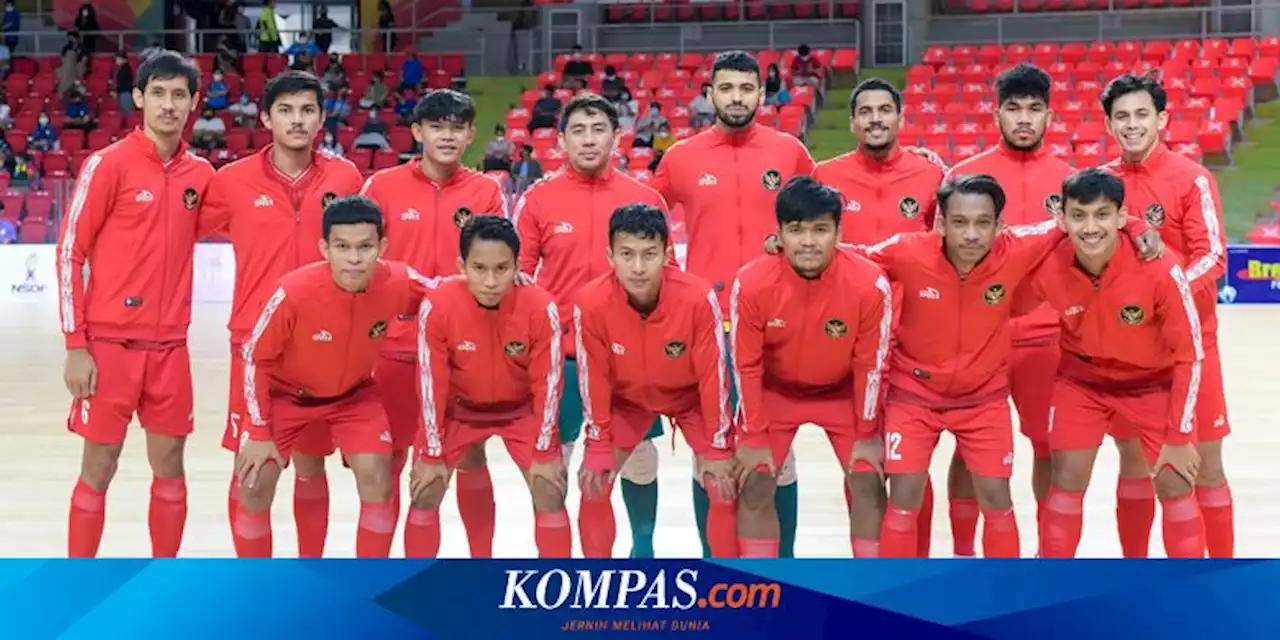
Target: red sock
(864, 548)
(964, 526)
(311, 514)
(1135, 513)
(252, 533)
(899, 537)
(1063, 520)
(924, 528)
(88, 514)
(597, 528)
(1040, 508)
(552, 534)
(475, 505)
(722, 524)
(1183, 527)
(168, 517)
(1218, 513)
(376, 529)
(999, 534)
(422, 533)
(233, 501)
(758, 547)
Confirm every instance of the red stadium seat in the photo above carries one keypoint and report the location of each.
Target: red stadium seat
(34, 230)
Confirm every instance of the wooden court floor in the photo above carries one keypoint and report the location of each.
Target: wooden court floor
(42, 460)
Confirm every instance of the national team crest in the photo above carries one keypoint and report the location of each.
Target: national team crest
(462, 216)
(327, 199)
(772, 244)
(1155, 215)
(836, 328)
(190, 199)
(674, 349)
(1053, 205)
(378, 330)
(514, 349)
(909, 208)
(1132, 314)
(994, 294)
(772, 180)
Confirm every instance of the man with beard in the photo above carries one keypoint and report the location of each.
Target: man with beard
(1031, 178)
(727, 178)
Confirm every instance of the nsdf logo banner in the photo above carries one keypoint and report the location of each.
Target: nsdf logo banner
(1253, 275)
(28, 272)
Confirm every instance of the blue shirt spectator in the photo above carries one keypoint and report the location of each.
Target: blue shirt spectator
(219, 96)
(12, 24)
(405, 103)
(76, 109)
(411, 73)
(44, 137)
(302, 47)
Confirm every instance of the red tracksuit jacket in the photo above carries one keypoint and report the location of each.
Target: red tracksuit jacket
(476, 361)
(1179, 198)
(1032, 183)
(882, 197)
(563, 221)
(727, 183)
(671, 362)
(809, 338)
(316, 340)
(1135, 328)
(133, 220)
(424, 218)
(273, 221)
(952, 345)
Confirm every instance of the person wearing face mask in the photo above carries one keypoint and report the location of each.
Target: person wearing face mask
(775, 88)
(208, 131)
(612, 85)
(124, 83)
(45, 137)
(76, 111)
(87, 24)
(330, 145)
(649, 124)
(244, 111)
(219, 96)
(702, 112)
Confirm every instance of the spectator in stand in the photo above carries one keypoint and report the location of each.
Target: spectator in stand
(6, 56)
(613, 85)
(323, 26)
(330, 145)
(662, 138)
(228, 56)
(245, 112)
(335, 77)
(72, 67)
(577, 71)
(12, 25)
(337, 110)
(806, 69)
(6, 114)
(377, 93)
(219, 95)
(19, 167)
(405, 102)
(302, 53)
(701, 110)
(623, 164)
(649, 124)
(526, 170)
(87, 24)
(775, 88)
(628, 108)
(209, 130)
(374, 133)
(412, 73)
(545, 110)
(498, 153)
(268, 31)
(45, 137)
(387, 24)
(78, 115)
(124, 83)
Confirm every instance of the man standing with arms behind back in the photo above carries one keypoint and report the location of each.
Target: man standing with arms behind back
(727, 178)
(133, 219)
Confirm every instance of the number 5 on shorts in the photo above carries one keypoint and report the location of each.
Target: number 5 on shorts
(892, 442)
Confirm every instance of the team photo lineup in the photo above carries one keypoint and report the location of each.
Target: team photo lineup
(396, 324)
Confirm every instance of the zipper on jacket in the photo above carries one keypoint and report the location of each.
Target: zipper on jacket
(737, 191)
(351, 326)
(435, 233)
(167, 239)
(960, 305)
(805, 323)
(591, 227)
(499, 350)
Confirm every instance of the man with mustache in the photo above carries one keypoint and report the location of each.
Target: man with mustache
(271, 204)
(1031, 179)
(1179, 198)
(426, 202)
(727, 178)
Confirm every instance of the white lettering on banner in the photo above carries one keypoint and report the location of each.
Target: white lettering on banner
(28, 272)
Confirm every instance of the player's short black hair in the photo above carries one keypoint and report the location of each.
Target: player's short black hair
(1130, 83)
(1023, 81)
(735, 60)
(494, 228)
(640, 220)
(589, 103)
(167, 65)
(979, 184)
(444, 105)
(874, 84)
(804, 198)
(351, 210)
(1091, 185)
(289, 83)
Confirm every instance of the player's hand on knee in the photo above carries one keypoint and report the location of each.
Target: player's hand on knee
(722, 475)
(80, 373)
(1150, 246)
(750, 458)
(1183, 459)
(871, 451)
(426, 473)
(550, 471)
(252, 457)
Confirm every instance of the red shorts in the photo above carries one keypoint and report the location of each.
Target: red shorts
(356, 423)
(835, 416)
(1081, 417)
(1033, 369)
(314, 441)
(519, 435)
(1211, 406)
(984, 437)
(631, 425)
(398, 388)
(154, 383)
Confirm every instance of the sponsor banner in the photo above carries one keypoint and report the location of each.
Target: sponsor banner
(28, 273)
(1253, 275)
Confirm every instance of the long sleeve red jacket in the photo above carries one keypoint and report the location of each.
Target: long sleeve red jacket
(727, 183)
(1179, 198)
(273, 221)
(478, 364)
(316, 341)
(824, 337)
(882, 197)
(1134, 328)
(1032, 183)
(952, 344)
(424, 219)
(671, 362)
(132, 220)
(563, 221)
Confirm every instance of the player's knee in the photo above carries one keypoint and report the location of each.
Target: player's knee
(787, 472)
(757, 492)
(1171, 485)
(906, 491)
(259, 496)
(430, 498)
(868, 491)
(307, 466)
(98, 464)
(473, 457)
(993, 493)
(1070, 474)
(166, 454)
(373, 476)
(641, 466)
(1211, 473)
(547, 498)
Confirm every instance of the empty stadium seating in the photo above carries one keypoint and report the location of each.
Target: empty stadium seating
(624, 11)
(1034, 6)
